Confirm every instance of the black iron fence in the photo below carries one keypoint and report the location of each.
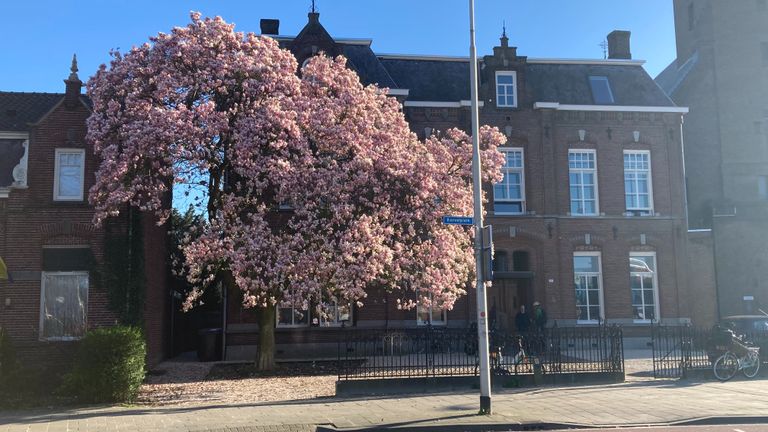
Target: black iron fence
(680, 350)
(440, 352)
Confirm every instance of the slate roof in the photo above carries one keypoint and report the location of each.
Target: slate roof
(672, 76)
(448, 81)
(17, 110)
(430, 80)
(362, 59)
(569, 84)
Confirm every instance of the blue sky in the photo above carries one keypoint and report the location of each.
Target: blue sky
(39, 36)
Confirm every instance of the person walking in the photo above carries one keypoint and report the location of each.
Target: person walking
(523, 320)
(539, 317)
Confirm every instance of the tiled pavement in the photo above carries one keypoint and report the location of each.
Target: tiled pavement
(634, 402)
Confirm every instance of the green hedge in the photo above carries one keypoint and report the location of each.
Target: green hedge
(109, 365)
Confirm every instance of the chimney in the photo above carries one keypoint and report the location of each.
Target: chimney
(270, 27)
(618, 45)
(73, 86)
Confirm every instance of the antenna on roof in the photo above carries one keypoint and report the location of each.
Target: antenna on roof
(503, 28)
(604, 46)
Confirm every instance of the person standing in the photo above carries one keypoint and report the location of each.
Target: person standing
(539, 316)
(523, 320)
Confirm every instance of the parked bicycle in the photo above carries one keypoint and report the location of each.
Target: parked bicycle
(739, 356)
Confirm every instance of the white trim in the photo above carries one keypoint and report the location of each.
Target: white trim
(41, 321)
(4, 192)
(577, 61)
(346, 41)
(57, 153)
(656, 303)
(14, 135)
(398, 92)
(427, 57)
(650, 182)
(19, 173)
(438, 104)
(614, 108)
(700, 230)
(513, 74)
(596, 184)
(522, 184)
(600, 295)
(66, 246)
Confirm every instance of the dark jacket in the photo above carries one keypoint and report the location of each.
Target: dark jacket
(523, 321)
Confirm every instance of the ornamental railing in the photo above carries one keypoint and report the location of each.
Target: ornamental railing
(430, 352)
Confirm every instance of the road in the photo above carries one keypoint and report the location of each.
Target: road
(721, 428)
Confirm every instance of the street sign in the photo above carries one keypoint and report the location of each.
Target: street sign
(457, 220)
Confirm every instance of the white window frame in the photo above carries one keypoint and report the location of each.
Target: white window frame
(443, 313)
(649, 209)
(599, 285)
(57, 155)
(521, 170)
(42, 304)
(336, 322)
(607, 85)
(293, 323)
(655, 288)
(513, 74)
(582, 171)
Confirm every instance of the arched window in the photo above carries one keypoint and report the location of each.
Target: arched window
(521, 261)
(500, 261)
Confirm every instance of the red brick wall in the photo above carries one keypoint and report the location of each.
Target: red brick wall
(31, 219)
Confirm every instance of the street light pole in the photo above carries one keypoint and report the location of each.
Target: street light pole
(482, 307)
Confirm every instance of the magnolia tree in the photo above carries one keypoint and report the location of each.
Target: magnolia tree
(224, 116)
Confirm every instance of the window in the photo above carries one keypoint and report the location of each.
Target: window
(506, 89)
(691, 17)
(762, 187)
(588, 283)
(292, 314)
(601, 90)
(637, 181)
(335, 314)
(63, 305)
(434, 314)
(68, 175)
(582, 173)
(643, 283)
(509, 193)
(764, 51)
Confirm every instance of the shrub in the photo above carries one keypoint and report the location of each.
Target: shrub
(109, 366)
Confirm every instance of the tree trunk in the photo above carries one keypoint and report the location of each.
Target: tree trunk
(265, 359)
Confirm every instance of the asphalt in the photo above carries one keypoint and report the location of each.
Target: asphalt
(633, 403)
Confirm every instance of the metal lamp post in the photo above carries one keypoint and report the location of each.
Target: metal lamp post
(482, 307)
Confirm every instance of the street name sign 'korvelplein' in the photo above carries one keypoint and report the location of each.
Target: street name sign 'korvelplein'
(458, 220)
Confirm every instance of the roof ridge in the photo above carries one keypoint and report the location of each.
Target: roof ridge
(31, 93)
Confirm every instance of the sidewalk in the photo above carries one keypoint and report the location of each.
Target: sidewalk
(630, 403)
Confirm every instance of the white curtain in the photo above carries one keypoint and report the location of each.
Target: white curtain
(65, 305)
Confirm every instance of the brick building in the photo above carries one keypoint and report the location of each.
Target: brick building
(721, 73)
(590, 217)
(55, 257)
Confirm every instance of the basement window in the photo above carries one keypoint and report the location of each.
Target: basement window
(601, 90)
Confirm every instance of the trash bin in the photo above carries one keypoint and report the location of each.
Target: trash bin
(209, 344)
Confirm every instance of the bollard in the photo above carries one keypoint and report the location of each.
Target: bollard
(538, 376)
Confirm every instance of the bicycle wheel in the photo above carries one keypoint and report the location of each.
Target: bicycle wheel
(726, 366)
(751, 364)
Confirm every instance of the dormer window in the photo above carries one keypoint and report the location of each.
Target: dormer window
(506, 89)
(601, 90)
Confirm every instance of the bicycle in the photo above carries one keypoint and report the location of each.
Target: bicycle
(747, 361)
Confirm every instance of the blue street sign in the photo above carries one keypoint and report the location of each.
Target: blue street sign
(457, 220)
